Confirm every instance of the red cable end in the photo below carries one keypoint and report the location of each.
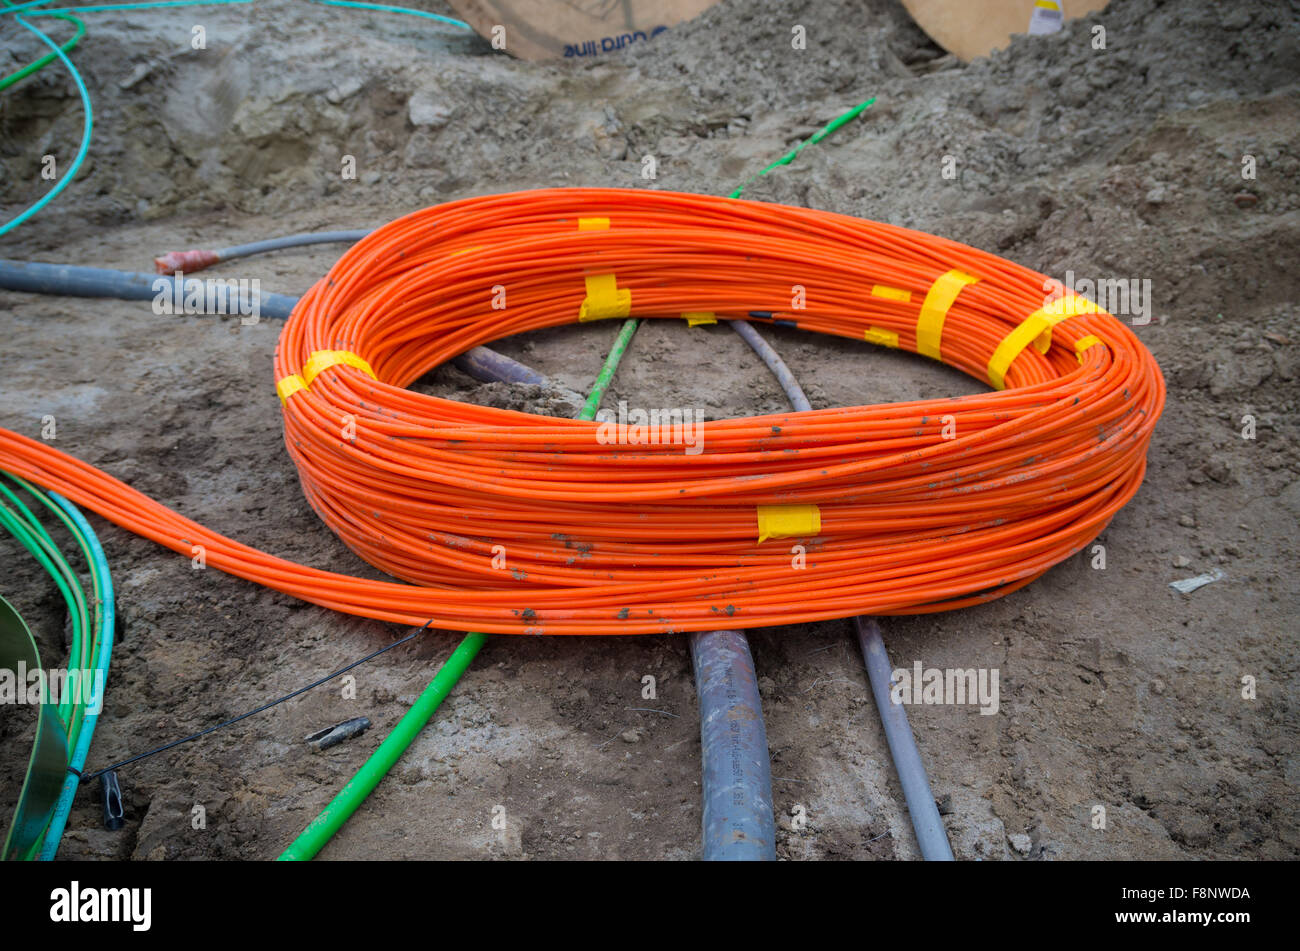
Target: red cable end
(187, 261)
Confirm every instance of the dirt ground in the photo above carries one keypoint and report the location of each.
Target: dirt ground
(1116, 691)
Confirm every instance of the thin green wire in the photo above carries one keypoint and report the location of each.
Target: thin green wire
(48, 58)
(86, 132)
(811, 140)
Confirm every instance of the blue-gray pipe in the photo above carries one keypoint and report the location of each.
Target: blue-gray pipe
(77, 281)
(73, 280)
(737, 771)
(930, 833)
(793, 391)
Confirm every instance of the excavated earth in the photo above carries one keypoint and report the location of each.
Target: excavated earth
(1128, 162)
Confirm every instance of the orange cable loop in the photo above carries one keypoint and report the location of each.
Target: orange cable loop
(604, 538)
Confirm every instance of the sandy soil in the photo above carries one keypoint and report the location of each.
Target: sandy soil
(1118, 163)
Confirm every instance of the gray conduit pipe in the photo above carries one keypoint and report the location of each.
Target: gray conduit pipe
(930, 833)
(218, 296)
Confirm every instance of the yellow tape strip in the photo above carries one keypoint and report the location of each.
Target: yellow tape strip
(890, 293)
(593, 224)
(1035, 329)
(886, 338)
(1089, 341)
(783, 521)
(605, 299)
(942, 293)
(322, 360)
(695, 318)
(288, 386)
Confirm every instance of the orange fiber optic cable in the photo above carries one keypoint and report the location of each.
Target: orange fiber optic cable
(902, 508)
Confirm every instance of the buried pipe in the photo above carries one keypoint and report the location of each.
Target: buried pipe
(737, 773)
(216, 296)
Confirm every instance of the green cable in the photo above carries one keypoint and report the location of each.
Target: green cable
(811, 140)
(86, 131)
(340, 809)
(607, 371)
(61, 53)
(48, 58)
(89, 648)
(82, 650)
(36, 540)
(85, 650)
(56, 567)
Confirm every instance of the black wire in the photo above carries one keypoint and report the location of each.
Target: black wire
(87, 777)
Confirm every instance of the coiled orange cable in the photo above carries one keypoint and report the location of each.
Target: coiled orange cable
(510, 523)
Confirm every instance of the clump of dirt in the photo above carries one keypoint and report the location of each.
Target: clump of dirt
(1166, 158)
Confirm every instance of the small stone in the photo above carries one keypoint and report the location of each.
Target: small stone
(630, 736)
(1158, 687)
(344, 90)
(1187, 521)
(426, 111)
(1020, 842)
(1182, 561)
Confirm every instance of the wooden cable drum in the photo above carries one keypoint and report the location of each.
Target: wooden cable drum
(971, 28)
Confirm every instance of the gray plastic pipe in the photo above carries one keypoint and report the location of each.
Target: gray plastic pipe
(930, 833)
(737, 771)
(73, 280)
